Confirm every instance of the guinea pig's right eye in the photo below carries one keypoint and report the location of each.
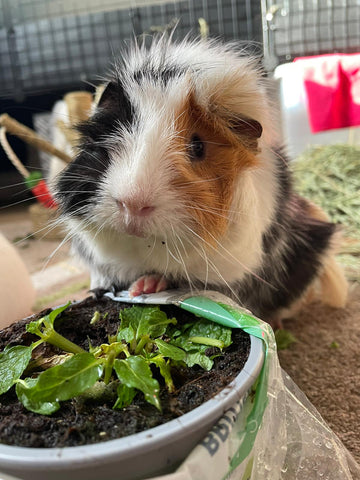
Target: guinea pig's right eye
(196, 148)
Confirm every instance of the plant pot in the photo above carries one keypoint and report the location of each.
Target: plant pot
(153, 452)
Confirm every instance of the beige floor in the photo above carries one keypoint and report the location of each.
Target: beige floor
(56, 276)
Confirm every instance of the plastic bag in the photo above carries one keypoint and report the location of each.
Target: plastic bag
(273, 434)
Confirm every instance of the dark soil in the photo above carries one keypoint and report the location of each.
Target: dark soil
(87, 420)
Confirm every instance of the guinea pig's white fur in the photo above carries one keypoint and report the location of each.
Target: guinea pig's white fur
(185, 184)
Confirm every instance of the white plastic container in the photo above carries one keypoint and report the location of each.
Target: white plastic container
(295, 124)
(146, 454)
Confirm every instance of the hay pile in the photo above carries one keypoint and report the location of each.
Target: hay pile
(329, 175)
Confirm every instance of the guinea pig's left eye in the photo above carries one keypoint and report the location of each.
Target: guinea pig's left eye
(196, 148)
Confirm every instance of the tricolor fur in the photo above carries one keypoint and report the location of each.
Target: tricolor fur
(179, 174)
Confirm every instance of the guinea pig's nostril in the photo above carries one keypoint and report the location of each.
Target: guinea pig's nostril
(147, 210)
(135, 208)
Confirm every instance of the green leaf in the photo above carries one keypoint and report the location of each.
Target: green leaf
(202, 328)
(13, 361)
(284, 339)
(145, 320)
(126, 334)
(205, 328)
(198, 358)
(135, 372)
(43, 408)
(35, 327)
(165, 371)
(125, 396)
(170, 351)
(56, 312)
(67, 380)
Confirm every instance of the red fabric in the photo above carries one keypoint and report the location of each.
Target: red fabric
(332, 85)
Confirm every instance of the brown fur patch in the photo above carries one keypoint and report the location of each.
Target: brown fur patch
(208, 183)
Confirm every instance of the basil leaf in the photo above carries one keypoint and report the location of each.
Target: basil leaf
(67, 380)
(13, 361)
(170, 351)
(43, 408)
(135, 372)
(125, 396)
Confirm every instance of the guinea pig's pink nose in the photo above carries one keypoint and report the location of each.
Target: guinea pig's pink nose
(135, 208)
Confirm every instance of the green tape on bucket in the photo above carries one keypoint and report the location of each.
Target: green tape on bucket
(217, 312)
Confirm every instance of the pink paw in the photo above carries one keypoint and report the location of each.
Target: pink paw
(147, 284)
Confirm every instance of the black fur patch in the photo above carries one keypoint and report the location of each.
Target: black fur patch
(114, 109)
(162, 75)
(78, 184)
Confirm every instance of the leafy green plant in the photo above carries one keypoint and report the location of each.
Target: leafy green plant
(146, 341)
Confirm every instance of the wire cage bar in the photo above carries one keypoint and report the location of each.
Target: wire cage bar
(50, 44)
(295, 28)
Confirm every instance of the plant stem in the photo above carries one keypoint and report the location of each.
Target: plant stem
(143, 341)
(49, 335)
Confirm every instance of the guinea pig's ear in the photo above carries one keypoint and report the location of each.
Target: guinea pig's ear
(248, 129)
(114, 100)
(106, 94)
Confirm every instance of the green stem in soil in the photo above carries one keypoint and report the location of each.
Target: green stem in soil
(142, 343)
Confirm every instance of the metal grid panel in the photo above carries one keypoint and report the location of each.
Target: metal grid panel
(45, 45)
(294, 28)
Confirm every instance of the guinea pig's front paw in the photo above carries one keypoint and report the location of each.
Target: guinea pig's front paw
(148, 284)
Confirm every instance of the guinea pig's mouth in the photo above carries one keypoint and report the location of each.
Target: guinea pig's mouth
(135, 230)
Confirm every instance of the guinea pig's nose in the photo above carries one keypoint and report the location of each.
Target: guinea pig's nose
(135, 208)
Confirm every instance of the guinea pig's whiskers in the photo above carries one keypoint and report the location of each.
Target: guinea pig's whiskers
(208, 210)
(151, 250)
(77, 176)
(226, 255)
(279, 155)
(211, 264)
(248, 270)
(13, 185)
(202, 254)
(66, 239)
(182, 261)
(203, 180)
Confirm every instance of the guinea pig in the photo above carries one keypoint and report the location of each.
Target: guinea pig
(180, 181)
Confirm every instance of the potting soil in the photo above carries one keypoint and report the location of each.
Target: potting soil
(91, 419)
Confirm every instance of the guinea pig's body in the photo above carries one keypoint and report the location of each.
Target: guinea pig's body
(179, 182)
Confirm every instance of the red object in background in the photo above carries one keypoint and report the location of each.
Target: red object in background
(43, 195)
(332, 85)
(39, 188)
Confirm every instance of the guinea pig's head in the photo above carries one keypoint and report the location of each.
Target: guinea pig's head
(175, 129)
